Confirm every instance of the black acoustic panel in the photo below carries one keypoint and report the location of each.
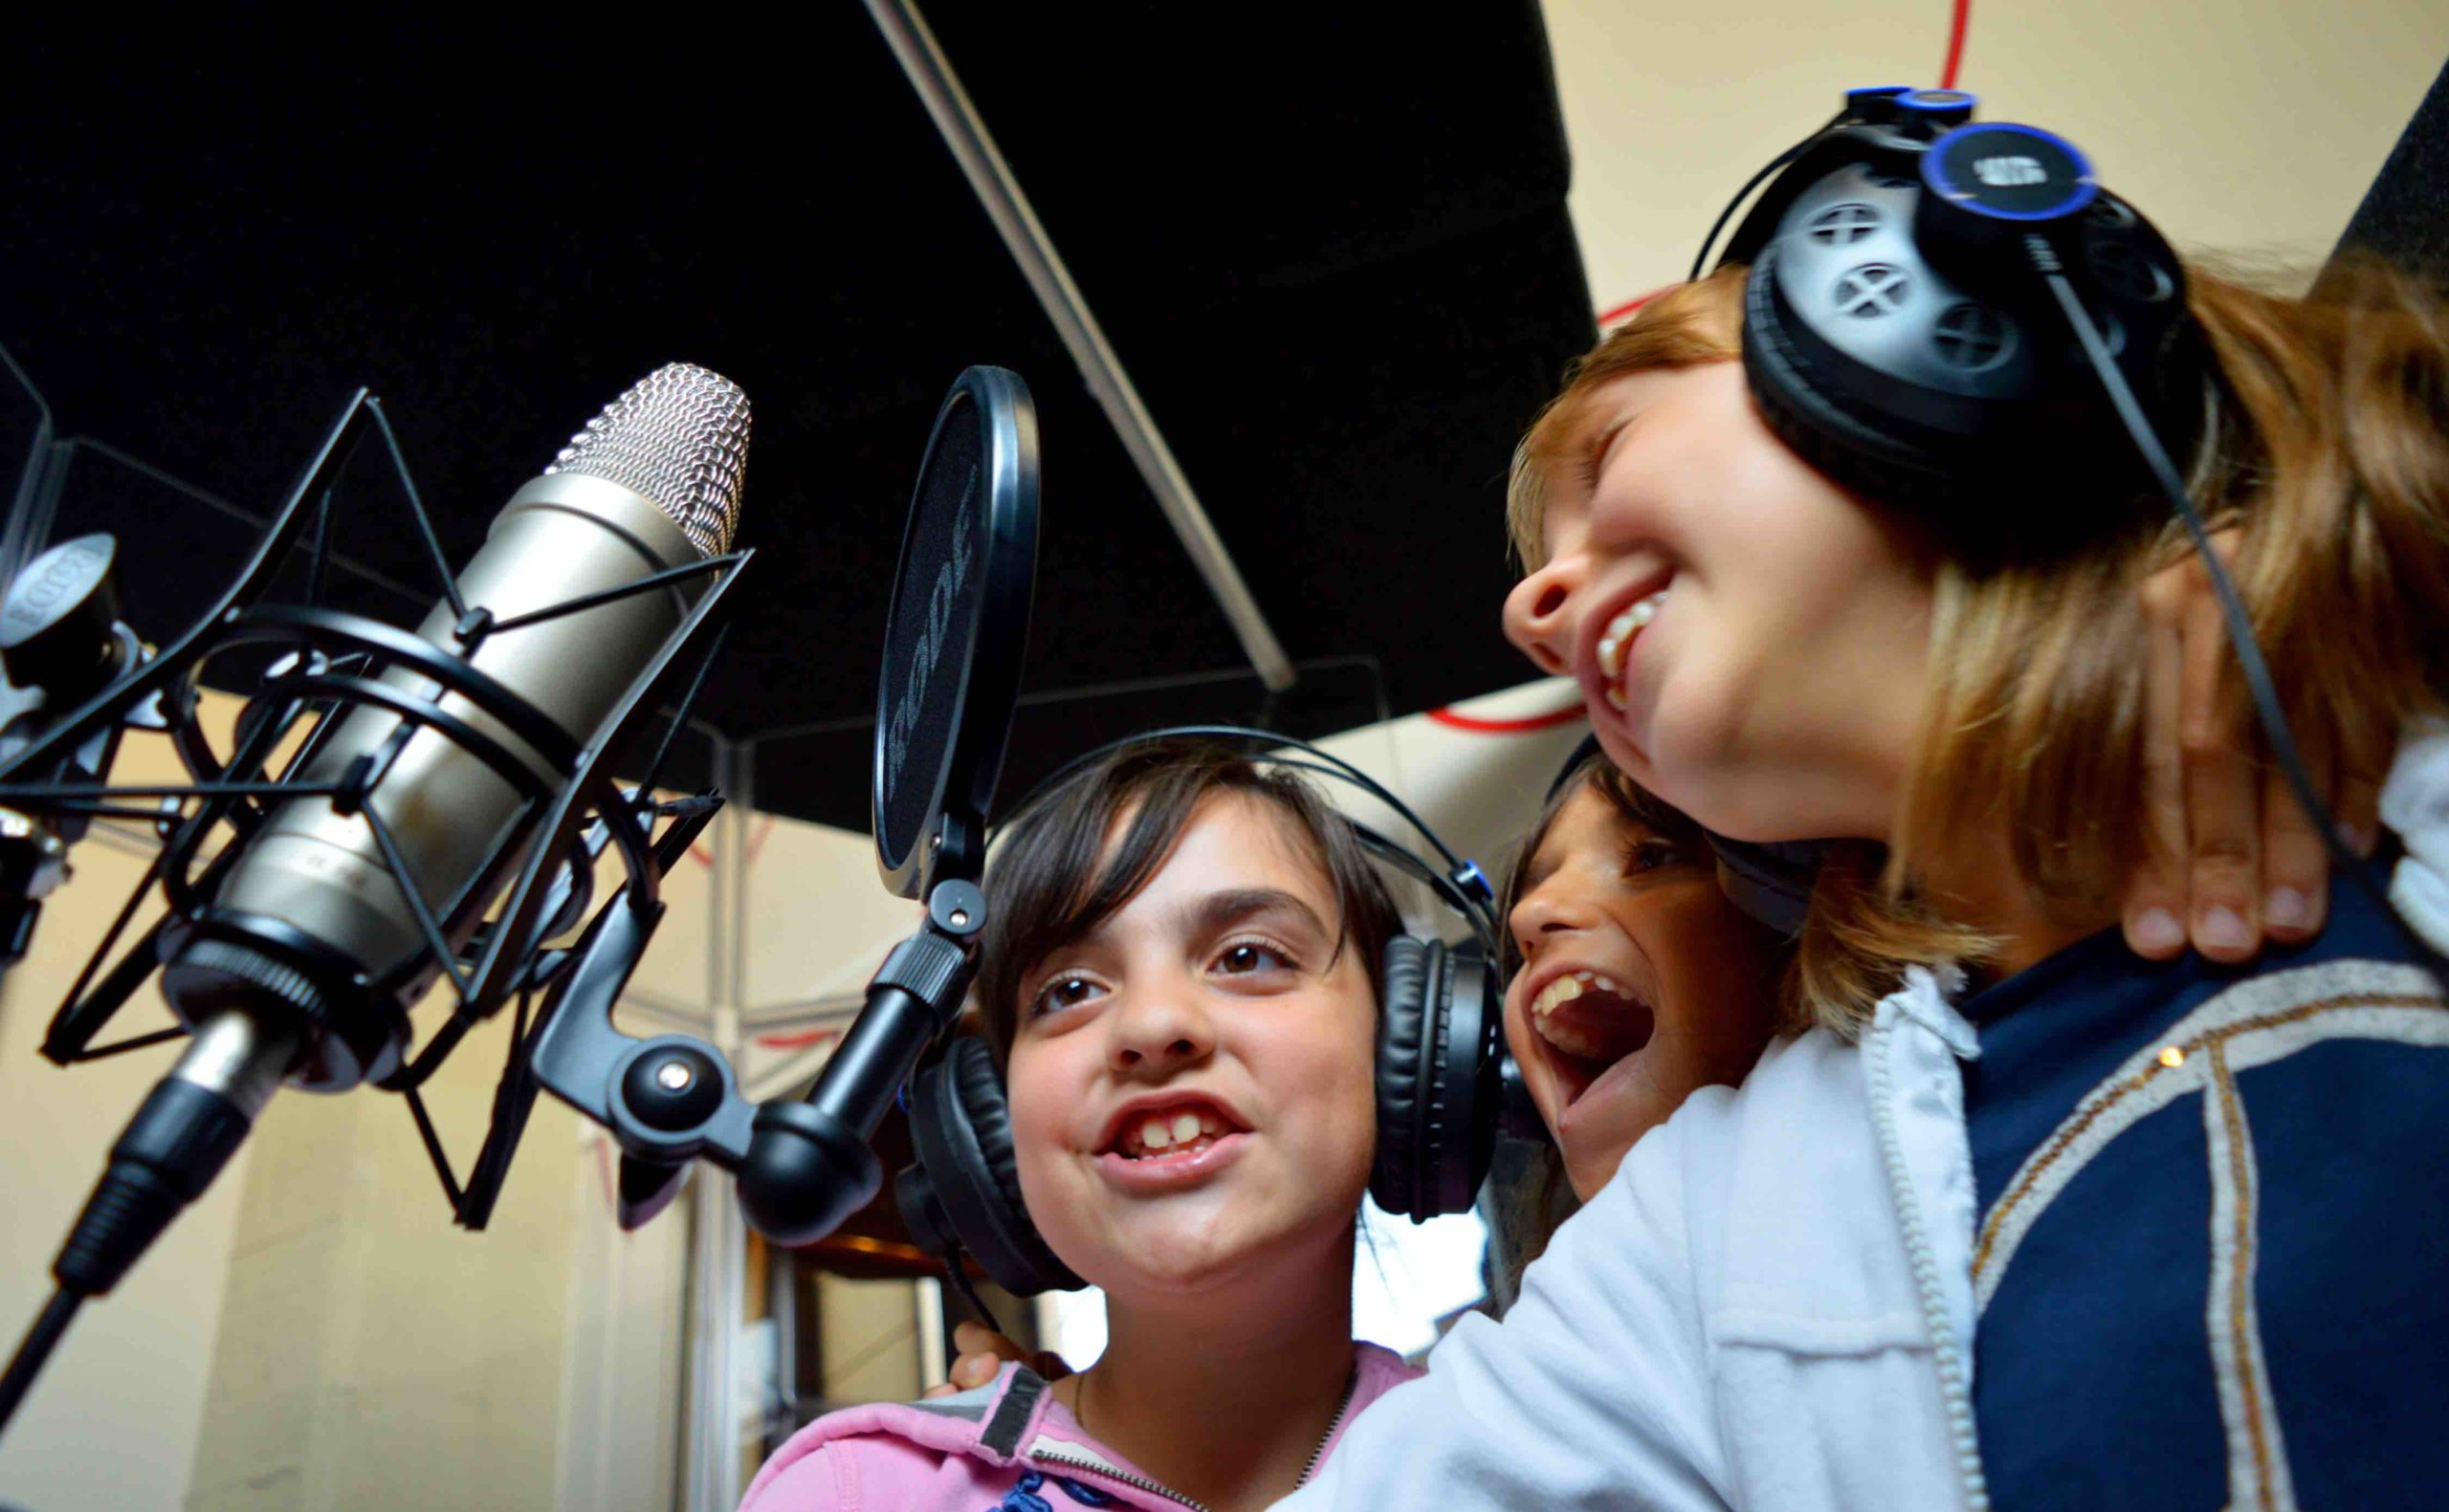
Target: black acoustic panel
(823, 770)
(1332, 253)
(2405, 215)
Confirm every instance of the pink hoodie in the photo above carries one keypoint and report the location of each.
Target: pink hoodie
(1006, 1445)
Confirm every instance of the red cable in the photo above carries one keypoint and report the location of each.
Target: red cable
(757, 839)
(1955, 43)
(1611, 317)
(1478, 725)
(797, 1041)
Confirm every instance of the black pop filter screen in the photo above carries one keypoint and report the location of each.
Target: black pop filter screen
(959, 621)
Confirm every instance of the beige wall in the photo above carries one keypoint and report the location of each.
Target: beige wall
(372, 1353)
(2246, 126)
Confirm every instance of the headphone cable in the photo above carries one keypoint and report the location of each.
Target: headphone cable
(1700, 260)
(958, 1275)
(2232, 607)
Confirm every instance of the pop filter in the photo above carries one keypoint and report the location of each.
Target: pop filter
(954, 635)
(953, 641)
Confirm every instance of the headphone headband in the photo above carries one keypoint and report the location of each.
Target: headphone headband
(1896, 336)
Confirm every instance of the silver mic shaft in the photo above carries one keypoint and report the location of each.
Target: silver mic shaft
(651, 483)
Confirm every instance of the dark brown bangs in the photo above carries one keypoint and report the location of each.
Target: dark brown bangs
(1063, 867)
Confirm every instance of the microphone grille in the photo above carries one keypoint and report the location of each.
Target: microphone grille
(679, 436)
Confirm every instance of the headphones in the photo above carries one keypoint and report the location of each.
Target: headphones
(1956, 319)
(1901, 332)
(1440, 1085)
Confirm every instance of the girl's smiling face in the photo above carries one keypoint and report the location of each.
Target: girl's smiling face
(1749, 639)
(1192, 1081)
(1640, 984)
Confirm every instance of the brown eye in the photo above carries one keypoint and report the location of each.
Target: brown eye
(1650, 854)
(1249, 958)
(1063, 992)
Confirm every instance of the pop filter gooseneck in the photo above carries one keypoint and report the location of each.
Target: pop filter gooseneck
(953, 637)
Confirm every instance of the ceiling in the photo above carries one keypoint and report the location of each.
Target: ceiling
(1334, 254)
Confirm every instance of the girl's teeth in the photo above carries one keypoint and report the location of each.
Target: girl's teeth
(1620, 634)
(1575, 1037)
(1177, 1131)
(1570, 986)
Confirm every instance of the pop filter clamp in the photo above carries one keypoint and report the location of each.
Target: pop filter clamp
(954, 639)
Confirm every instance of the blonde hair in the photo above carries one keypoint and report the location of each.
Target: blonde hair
(2326, 449)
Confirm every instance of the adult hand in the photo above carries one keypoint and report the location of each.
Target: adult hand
(2232, 859)
(984, 1352)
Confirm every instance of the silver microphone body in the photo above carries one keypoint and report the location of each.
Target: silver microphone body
(589, 524)
(560, 538)
(301, 971)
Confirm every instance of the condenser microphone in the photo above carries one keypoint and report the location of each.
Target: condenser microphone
(304, 967)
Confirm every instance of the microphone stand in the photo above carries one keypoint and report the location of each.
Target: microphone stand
(198, 1114)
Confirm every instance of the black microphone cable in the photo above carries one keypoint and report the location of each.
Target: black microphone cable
(189, 1127)
(36, 1347)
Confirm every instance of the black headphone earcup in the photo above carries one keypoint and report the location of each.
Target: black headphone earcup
(1771, 881)
(1439, 1092)
(1849, 451)
(1919, 364)
(963, 1130)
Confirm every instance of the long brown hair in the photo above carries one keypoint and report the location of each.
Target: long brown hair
(2327, 450)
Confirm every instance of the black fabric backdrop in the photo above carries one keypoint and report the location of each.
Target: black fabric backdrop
(1330, 244)
(1334, 254)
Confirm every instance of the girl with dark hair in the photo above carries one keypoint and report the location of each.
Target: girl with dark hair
(1181, 985)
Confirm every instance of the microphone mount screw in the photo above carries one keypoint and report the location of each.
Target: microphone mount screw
(673, 1089)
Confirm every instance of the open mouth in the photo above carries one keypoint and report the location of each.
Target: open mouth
(1588, 1022)
(1180, 1130)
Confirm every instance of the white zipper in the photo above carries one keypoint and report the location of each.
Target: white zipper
(1953, 1392)
(1351, 1389)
